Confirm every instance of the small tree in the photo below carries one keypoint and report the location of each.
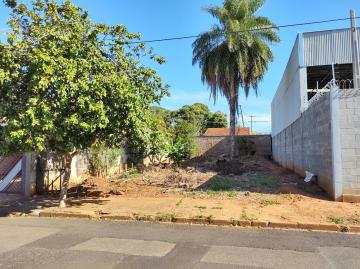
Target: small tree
(160, 140)
(186, 133)
(66, 83)
(178, 151)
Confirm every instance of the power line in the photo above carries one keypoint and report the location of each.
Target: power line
(250, 30)
(243, 31)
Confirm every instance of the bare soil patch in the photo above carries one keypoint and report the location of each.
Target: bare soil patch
(258, 190)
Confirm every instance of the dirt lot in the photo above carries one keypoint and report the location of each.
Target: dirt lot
(247, 189)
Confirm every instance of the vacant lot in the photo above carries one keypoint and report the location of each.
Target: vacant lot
(247, 189)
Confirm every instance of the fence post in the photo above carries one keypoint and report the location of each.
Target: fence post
(28, 174)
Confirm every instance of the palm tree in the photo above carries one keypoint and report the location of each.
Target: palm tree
(235, 53)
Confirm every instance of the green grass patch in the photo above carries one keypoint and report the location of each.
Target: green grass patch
(337, 219)
(232, 194)
(265, 181)
(220, 184)
(165, 216)
(132, 172)
(191, 194)
(267, 202)
(212, 193)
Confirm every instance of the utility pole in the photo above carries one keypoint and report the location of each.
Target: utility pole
(355, 50)
(242, 116)
(251, 123)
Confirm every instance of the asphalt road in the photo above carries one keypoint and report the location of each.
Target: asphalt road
(63, 243)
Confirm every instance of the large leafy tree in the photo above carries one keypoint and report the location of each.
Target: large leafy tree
(197, 114)
(217, 120)
(235, 53)
(66, 83)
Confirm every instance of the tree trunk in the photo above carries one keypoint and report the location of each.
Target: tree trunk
(41, 166)
(232, 129)
(65, 182)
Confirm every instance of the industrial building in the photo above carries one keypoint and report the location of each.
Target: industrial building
(316, 112)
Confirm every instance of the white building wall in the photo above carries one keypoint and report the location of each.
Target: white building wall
(288, 101)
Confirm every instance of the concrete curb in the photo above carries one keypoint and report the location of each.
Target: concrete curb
(204, 221)
(67, 215)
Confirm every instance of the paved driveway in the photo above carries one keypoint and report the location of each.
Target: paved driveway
(64, 243)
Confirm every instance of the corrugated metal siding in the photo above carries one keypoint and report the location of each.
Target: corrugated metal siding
(327, 47)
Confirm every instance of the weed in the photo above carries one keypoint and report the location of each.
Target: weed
(265, 181)
(245, 216)
(165, 216)
(344, 229)
(139, 217)
(210, 218)
(191, 194)
(337, 219)
(266, 202)
(217, 184)
(179, 202)
(232, 194)
(200, 207)
(132, 172)
(217, 208)
(211, 193)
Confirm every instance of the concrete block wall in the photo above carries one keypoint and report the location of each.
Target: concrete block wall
(219, 145)
(349, 103)
(306, 145)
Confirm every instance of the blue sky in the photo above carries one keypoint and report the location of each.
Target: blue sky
(170, 18)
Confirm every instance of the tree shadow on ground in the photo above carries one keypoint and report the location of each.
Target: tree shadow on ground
(14, 204)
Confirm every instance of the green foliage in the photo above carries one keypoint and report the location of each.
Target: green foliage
(337, 219)
(267, 202)
(174, 132)
(266, 181)
(232, 194)
(217, 120)
(185, 133)
(220, 184)
(102, 158)
(160, 140)
(165, 216)
(10, 3)
(234, 54)
(245, 216)
(66, 82)
(178, 152)
(196, 114)
(131, 172)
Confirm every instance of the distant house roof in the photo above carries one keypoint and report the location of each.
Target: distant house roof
(226, 131)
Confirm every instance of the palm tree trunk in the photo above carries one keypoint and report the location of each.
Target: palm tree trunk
(232, 129)
(65, 183)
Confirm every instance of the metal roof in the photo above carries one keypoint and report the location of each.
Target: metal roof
(327, 47)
